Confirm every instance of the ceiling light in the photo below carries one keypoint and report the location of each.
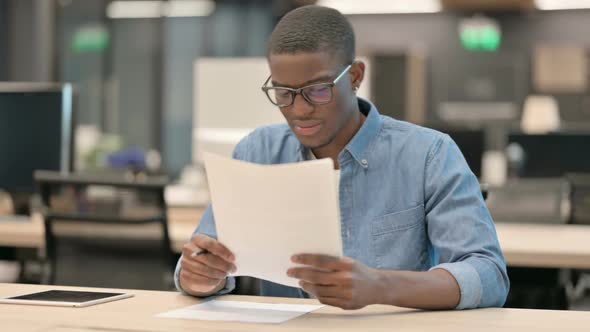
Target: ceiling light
(352, 7)
(562, 4)
(134, 9)
(190, 8)
(155, 9)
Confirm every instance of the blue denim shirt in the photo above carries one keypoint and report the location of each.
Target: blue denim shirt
(408, 201)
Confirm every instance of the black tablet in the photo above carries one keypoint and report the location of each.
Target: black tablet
(65, 298)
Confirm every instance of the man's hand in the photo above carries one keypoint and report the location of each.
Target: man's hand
(340, 282)
(205, 274)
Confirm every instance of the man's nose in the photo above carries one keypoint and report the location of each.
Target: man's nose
(302, 107)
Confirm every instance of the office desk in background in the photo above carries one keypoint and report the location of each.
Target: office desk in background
(545, 246)
(20, 234)
(524, 245)
(141, 309)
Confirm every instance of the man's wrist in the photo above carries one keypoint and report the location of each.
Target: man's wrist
(386, 287)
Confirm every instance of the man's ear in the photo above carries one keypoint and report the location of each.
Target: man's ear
(357, 73)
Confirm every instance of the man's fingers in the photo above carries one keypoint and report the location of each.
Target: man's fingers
(313, 276)
(199, 268)
(325, 291)
(324, 261)
(194, 283)
(213, 246)
(208, 259)
(197, 279)
(188, 249)
(215, 262)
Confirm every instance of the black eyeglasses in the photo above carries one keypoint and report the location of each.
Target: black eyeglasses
(315, 94)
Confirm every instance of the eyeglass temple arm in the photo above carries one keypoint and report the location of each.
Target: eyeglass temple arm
(266, 82)
(342, 74)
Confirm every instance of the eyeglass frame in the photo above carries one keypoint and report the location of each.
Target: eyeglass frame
(299, 91)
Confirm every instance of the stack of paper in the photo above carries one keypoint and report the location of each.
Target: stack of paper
(238, 311)
(266, 213)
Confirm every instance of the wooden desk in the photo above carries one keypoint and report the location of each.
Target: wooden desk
(550, 246)
(524, 245)
(137, 314)
(22, 234)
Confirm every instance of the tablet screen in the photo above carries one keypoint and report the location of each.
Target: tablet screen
(65, 296)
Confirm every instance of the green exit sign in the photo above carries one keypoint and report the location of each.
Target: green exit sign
(480, 34)
(90, 39)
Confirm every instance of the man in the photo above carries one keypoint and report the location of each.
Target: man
(416, 231)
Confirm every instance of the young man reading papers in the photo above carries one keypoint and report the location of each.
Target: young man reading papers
(416, 231)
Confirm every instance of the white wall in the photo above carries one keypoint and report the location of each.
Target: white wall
(229, 103)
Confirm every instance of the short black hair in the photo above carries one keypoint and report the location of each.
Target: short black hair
(313, 29)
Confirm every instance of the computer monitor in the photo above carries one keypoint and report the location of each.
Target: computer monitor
(553, 155)
(484, 89)
(472, 145)
(471, 142)
(36, 123)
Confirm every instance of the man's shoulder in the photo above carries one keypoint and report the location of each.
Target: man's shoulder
(409, 133)
(409, 145)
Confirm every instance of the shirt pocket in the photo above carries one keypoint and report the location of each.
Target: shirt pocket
(400, 241)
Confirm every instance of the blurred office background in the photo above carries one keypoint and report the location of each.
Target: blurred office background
(464, 66)
(161, 81)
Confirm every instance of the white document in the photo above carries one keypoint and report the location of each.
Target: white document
(238, 311)
(266, 213)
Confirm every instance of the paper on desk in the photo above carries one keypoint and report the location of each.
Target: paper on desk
(238, 311)
(266, 213)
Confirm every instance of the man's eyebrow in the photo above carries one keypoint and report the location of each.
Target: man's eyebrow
(315, 80)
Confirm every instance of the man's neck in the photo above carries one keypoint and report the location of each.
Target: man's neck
(333, 149)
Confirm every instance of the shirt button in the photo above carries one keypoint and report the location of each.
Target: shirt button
(364, 162)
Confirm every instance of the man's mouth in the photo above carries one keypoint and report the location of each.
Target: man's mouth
(307, 129)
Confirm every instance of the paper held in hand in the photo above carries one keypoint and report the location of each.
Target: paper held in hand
(266, 213)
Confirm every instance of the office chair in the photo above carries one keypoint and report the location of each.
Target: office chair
(580, 198)
(534, 201)
(580, 215)
(105, 231)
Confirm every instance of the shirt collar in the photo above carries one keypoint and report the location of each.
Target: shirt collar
(359, 145)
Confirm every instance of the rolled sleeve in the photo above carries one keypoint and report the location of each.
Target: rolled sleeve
(461, 229)
(469, 283)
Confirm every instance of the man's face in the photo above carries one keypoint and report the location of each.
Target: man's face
(315, 126)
